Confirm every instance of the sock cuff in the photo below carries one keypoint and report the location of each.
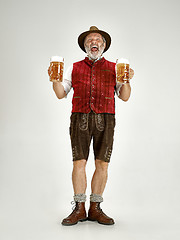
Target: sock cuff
(96, 198)
(81, 197)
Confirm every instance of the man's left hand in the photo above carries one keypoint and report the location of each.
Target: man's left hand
(131, 73)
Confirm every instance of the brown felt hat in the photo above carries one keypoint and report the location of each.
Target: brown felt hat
(94, 29)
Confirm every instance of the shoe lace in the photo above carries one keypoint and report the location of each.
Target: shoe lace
(74, 205)
(100, 209)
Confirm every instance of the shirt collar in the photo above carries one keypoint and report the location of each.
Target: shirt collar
(97, 61)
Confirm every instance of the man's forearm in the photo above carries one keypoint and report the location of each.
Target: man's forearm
(125, 92)
(59, 90)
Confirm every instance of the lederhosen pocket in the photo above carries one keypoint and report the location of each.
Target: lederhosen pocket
(83, 121)
(99, 120)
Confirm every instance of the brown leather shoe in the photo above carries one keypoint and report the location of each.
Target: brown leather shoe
(96, 214)
(78, 214)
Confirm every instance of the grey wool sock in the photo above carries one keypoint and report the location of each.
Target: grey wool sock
(96, 198)
(81, 197)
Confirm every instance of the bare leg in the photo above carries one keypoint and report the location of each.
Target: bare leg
(99, 179)
(79, 176)
(79, 185)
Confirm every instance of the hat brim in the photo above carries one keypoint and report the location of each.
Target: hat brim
(83, 35)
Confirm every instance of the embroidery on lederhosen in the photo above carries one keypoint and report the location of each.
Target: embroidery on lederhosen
(83, 122)
(108, 153)
(74, 152)
(99, 119)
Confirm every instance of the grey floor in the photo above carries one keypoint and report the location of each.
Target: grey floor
(36, 194)
(129, 225)
(32, 221)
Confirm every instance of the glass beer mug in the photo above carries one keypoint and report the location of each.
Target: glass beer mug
(56, 68)
(122, 70)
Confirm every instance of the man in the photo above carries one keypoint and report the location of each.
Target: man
(93, 117)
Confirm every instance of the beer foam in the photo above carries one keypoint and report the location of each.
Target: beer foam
(56, 59)
(122, 60)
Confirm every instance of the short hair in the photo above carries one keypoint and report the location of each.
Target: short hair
(104, 40)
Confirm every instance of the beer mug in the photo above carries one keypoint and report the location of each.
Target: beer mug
(122, 70)
(56, 68)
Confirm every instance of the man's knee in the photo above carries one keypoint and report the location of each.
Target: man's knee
(79, 164)
(101, 165)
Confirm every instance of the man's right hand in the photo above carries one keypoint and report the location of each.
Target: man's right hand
(49, 71)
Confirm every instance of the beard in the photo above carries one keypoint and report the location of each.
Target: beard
(94, 55)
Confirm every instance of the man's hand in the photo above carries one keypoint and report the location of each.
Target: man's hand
(125, 90)
(49, 70)
(131, 73)
(50, 73)
(57, 86)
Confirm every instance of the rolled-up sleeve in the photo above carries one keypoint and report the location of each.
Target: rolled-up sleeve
(67, 80)
(118, 87)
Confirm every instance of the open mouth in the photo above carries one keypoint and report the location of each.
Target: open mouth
(94, 49)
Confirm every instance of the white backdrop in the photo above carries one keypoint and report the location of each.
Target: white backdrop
(142, 193)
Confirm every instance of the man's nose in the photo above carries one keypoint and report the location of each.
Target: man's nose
(94, 41)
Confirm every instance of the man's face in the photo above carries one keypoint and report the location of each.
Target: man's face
(94, 45)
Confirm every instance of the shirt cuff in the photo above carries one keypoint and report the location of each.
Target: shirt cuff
(67, 85)
(118, 87)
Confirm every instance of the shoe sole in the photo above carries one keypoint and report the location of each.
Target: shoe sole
(92, 220)
(71, 224)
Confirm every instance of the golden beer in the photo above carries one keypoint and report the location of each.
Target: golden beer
(56, 69)
(122, 70)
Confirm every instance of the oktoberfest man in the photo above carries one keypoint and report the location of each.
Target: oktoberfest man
(93, 117)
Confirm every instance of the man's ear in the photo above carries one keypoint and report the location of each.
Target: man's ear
(104, 44)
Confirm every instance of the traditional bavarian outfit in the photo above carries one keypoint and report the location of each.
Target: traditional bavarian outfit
(93, 117)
